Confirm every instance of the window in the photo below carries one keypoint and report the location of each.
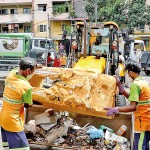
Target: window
(63, 27)
(4, 11)
(16, 30)
(27, 29)
(42, 7)
(13, 11)
(146, 42)
(45, 44)
(26, 10)
(36, 43)
(42, 28)
(42, 44)
(4, 29)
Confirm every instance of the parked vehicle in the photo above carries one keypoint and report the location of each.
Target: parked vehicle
(14, 46)
(145, 62)
(39, 47)
(128, 45)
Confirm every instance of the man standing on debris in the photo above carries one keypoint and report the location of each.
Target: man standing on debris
(16, 96)
(139, 98)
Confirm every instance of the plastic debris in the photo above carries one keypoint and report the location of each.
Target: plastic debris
(95, 133)
(102, 127)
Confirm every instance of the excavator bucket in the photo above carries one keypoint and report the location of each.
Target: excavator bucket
(76, 91)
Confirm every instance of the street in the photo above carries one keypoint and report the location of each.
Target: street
(142, 74)
(145, 76)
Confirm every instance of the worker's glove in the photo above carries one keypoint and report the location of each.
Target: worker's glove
(121, 88)
(112, 111)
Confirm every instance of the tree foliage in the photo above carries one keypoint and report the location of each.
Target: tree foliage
(138, 14)
(132, 13)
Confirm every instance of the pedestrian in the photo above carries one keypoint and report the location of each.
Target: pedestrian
(121, 72)
(17, 96)
(135, 57)
(121, 58)
(50, 61)
(61, 48)
(57, 61)
(139, 98)
(63, 60)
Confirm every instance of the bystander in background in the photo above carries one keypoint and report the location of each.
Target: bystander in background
(121, 72)
(57, 61)
(135, 57)
(50, 61)
(121, 58)
(63, 60)
(61, 48)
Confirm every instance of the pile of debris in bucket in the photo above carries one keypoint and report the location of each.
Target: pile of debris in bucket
(59, 130)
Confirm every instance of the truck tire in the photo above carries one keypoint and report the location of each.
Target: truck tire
(120, 100)
(147, 72)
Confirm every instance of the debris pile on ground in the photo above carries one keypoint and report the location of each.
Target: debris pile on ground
(57, 129)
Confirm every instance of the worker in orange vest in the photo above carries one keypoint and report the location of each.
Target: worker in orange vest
(139, 98)
(63, 60)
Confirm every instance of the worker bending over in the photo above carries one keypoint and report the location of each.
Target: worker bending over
(16, 96)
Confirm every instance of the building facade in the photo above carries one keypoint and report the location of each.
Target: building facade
(143, 32)
(51, 17)
(15, 16)
(47, 18)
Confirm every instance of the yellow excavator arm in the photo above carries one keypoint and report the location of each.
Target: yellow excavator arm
(91, 64)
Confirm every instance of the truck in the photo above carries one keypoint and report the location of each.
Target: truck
(128, 45)
(14, 46)
(145, 62)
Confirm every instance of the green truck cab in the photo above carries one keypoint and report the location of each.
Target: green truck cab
(14, 46)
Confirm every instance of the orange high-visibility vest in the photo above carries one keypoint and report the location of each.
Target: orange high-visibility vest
(142, 113)
(17, 92)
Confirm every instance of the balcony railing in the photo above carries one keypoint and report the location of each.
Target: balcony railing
(11, 2)
(15, 18)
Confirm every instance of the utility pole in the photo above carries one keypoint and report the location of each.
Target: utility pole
(49, 28)
(96, 11)
(33, 31)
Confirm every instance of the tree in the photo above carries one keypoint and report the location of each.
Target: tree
(108, 10)
(138, 14)
(132, 13)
